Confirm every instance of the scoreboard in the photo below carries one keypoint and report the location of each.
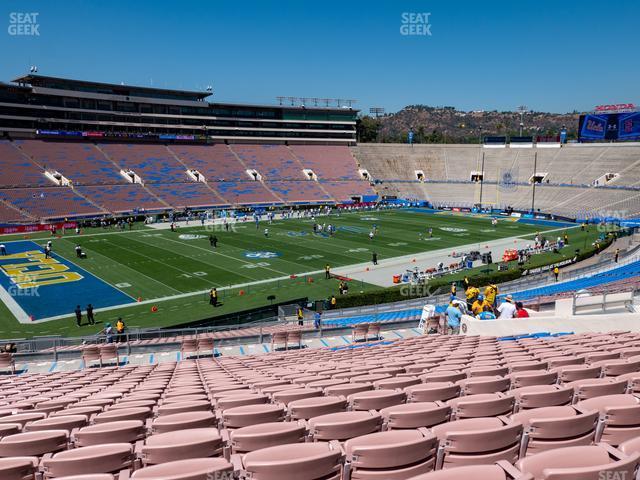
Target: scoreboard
(609, 127)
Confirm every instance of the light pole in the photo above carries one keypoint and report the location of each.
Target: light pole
(522, 109)
(481, 181)
(535, 180)
(377, 111)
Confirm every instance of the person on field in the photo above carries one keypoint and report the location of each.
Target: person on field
(556, 272)
(78, 312)
(327, 272)
(300, 315)
(90, 318)
(374, 258)
(333, 302)
(213, 297)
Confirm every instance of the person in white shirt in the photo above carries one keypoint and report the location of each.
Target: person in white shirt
(507, 309)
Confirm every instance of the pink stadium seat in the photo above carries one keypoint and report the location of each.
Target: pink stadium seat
(298, 461)
(580, 462)
(477, 441)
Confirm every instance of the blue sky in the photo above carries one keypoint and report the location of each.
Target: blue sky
(548, 55)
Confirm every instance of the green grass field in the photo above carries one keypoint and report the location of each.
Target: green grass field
(160, 264)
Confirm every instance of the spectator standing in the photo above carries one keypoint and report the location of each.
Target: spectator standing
(507, 309)
(520, 311)
(453, 318)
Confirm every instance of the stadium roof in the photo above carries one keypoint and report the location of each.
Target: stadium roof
(71, 84)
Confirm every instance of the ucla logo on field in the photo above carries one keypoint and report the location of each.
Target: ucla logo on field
(453, 229)
(261, 254)
(41, 288)
(369, 219)
(296, 234)
(31, 269)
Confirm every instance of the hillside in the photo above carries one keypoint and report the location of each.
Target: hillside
(448, 125)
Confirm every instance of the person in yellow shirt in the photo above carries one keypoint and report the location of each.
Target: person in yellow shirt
(490, 294)
(478, 306)
(471, 294)
(120, 326)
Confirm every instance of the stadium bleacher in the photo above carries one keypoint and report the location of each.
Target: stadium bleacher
(17, 169)
(273, 162)
(613, 275)
(49, 202)
(571, 172)
(153, 163)
(122, 198)
(94, 171)
(82, 163)
(422, 408)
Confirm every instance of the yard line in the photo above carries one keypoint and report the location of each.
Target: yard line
(191, 258)
(135, 271)
(157, 261)
(227, 256)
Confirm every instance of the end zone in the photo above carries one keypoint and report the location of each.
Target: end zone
(35, 288)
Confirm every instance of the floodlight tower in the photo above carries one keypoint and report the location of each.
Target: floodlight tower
(377, 111)
(522, 109)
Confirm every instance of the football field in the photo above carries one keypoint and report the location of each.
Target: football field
(126, 270)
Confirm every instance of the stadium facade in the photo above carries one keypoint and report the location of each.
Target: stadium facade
(45, 106)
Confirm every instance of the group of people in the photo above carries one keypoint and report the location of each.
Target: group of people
(108, 331)
(482, 305)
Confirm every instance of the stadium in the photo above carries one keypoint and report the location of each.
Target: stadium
(198, 289)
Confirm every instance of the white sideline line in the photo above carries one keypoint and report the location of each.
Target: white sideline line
(13, 307)
(174, 297)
